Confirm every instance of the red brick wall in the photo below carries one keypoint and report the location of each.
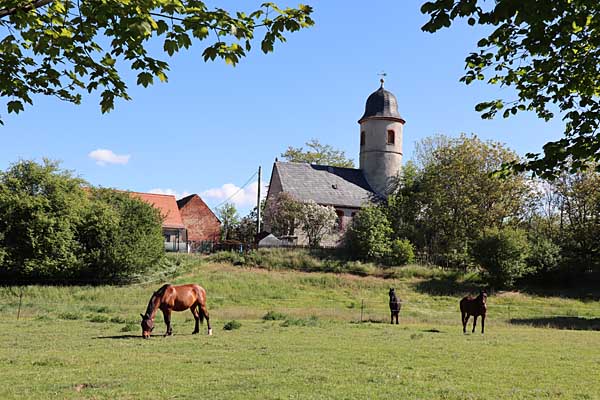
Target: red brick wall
(200, 221)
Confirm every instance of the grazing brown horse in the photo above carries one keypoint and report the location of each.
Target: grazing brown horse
(395, 305)
(475, 307)
(176, 298)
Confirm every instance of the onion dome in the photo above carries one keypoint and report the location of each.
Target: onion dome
(382, 104)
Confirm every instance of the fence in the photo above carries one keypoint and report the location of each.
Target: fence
(20, 305)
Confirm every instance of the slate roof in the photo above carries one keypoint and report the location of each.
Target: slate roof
(381, 103)
(167, 205)
(344, 187)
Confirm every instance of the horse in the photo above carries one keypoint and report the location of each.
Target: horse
(176, 298)
(475, 307)
(395, 306)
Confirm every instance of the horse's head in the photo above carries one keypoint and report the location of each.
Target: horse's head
(483, 296)
(392, 292)
(147, 326)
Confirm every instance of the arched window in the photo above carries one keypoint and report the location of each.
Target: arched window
(362, 138)
(391, 137)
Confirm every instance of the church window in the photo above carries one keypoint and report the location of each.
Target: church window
(391, 137)
(362, 138)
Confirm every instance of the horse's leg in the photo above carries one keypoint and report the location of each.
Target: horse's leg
(204, 311)
(167, 316)
(391, 317)
(195, 311)
(397, 314)
(482, 322)
(465, 319)
(474, 322)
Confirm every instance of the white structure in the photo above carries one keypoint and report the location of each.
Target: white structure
(381, 140)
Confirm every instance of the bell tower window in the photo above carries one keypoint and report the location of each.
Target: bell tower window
(362, 138)
(391, 137)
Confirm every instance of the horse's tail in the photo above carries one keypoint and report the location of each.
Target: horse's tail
(201, 314)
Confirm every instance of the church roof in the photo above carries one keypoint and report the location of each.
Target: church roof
(336, 186)
(381, 103)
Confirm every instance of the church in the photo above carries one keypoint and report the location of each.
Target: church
(349, 189)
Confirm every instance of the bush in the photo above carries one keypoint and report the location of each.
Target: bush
(544, 256)
(231, 325)
(367, 238)
(54, 231)
(122, 236)
(503, 253)
(401, 252)
(274, 316)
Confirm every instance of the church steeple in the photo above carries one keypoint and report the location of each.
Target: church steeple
(381, 129)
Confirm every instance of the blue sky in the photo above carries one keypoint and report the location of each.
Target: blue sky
(211, 126)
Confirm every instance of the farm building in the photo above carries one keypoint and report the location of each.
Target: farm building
(349, 189)
(201, 223)
(174, 231)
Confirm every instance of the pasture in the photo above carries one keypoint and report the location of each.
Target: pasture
(85, 342)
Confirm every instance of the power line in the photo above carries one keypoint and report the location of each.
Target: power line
(238, 191)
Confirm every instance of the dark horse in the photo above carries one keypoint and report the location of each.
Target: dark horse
(176, 298)
(475, 307)
(395, 306)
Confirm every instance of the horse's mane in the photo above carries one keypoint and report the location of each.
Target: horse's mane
(159, 292)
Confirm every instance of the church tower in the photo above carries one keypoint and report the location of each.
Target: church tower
(381, 140)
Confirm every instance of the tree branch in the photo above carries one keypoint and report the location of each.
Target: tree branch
(31, 6)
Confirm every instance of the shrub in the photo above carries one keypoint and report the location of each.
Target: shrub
(503, 253)
(367, 238)
(52, 230)
(274, 316)
(311, 321)
(231, 325)
(401, 252)
(544, 255)
(122, 236)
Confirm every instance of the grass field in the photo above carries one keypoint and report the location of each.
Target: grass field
(84, 342)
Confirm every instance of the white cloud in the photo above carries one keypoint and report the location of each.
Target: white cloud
(104, 157)
(175, 193)
(241, 198)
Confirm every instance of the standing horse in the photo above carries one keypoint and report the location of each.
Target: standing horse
(475, 307)
(176, 298)
(395, 305)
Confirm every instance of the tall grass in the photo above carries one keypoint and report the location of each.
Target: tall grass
(315, 261)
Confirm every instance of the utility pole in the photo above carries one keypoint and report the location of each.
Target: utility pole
(258, 203)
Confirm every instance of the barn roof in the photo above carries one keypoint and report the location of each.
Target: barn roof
(167, 205)
(336, 186)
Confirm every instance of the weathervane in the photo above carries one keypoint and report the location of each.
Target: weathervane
(382, 74)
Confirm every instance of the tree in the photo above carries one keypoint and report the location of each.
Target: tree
(52, 230)
(121, 236)
(230, 219)
(549, 51)
(578, 205)
(445, 204)
(503, 254)
(317, 153)
(64, 48)
(317, 221)
(282, 214)
(368, 236)
(41, 208)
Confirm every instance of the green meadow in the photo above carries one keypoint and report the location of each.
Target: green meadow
(300, 335)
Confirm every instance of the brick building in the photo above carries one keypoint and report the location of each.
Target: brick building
(201, 223)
